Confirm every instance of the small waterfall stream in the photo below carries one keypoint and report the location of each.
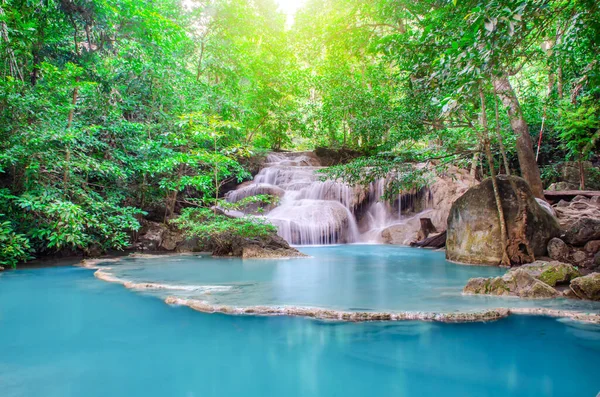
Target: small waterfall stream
(314, 212)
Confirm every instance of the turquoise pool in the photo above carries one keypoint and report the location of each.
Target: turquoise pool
(66, 333)
(344, 277)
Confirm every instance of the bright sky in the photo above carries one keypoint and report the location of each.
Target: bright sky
(290, 6)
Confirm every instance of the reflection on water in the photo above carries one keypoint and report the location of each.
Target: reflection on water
(351, 277)
(68, 334)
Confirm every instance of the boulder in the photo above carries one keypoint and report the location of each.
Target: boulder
(570, 172)
(1, 269)
(582, 231)
(596, 261)
(562, 186)
(578, 257)
(514, 283)
(558, 249)
(474, 229)
(150, 236)
(587, 287)
(271, 246)
(171, 239)
(545, 205)
(552, 273)
(591, 247)
(402, 233)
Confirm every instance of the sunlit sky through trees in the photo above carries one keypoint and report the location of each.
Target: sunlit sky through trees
(289, 7)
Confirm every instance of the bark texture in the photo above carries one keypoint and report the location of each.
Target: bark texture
(527, 163)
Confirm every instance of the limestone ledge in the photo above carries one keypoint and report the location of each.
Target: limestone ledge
(337, 315)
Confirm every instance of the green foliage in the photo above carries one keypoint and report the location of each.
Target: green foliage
(112, 109)
(14, 247)
(221, 231)
(578, 125)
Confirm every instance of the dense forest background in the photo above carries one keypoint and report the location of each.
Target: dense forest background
(112, 110)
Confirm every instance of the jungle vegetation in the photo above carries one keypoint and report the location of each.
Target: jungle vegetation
(116, 110)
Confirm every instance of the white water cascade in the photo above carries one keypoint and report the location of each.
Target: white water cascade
(313, 212)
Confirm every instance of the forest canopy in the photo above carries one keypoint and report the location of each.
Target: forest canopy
(112, 110)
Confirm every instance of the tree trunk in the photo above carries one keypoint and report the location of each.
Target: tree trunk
(527, 163)
(499, 137)
(581, 175)
(475, 164)
(486, 145)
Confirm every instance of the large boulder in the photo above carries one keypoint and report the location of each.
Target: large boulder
(474, 227)
(582, 231)
(514, 283)
(587, 287)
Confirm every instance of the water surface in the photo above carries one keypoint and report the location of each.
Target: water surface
(65, 333)
(344, 277)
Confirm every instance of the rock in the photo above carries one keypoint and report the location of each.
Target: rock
(474, 228)
(271, 246)
(1, 269)
(582, 231)
(426, 229)
(587, 287)
(597, 259)
(569, 213)
(171, 239)
(93, 251)
(579, 256)
(514, 283)
(258, 252)
(150, 236)
(402, 233)
(248, 189)
(552, 273)
(545, 205)
(569, 172)
(441, 194)
(558, 249)
(562, 186)
(591, 247)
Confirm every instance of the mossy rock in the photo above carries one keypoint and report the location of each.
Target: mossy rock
(552, 273)
(587, 287)
(514, 283)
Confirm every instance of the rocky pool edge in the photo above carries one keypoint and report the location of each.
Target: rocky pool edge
(102, 273)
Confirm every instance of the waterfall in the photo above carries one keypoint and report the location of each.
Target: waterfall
(315, 212)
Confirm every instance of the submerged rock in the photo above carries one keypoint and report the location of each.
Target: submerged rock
(587, 287)
(474, 228)
(514, 283)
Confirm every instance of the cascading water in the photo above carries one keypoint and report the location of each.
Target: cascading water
(315, 212)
